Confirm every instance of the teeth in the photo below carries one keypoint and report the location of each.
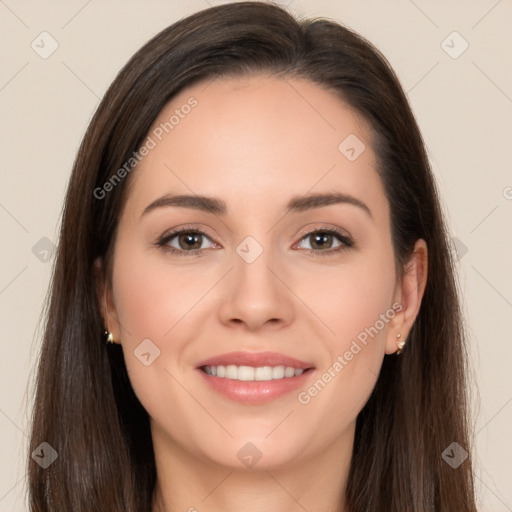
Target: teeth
(263, 373)
(249, 373)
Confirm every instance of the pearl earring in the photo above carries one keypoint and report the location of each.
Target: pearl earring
(110, 338)
(400, 344)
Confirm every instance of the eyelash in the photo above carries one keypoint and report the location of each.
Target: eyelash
(346, 242)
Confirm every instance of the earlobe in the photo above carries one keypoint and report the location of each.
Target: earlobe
(409, 295)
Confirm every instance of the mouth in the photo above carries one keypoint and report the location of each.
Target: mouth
(258, 366)
(254, 378)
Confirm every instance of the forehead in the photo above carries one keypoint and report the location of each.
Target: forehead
(257, 139)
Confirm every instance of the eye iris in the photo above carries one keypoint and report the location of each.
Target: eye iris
(189, 237)
(322, 237)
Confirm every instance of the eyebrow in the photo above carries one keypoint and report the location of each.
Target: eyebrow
(219, 207)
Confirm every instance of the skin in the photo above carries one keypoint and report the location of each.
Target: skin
(255, 142)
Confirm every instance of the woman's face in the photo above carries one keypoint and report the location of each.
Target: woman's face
(268, 277)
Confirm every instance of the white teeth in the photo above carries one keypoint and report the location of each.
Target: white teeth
(249, 373)
(245, 373)
(278, 372)
(231, 371)
(263, 373)
(289, 372)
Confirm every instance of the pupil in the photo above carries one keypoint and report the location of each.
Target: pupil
(321, 237)
(191, 238)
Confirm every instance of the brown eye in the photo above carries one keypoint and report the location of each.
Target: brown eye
(321, 242)
(184, 242)
(189, 240)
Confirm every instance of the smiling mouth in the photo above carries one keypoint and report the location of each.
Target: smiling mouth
(251, 373)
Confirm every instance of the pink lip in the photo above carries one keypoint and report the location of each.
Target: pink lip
(255, 392)
(255, 359)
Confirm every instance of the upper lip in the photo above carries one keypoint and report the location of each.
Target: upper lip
(255, 359)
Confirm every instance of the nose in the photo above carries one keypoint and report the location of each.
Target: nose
(257, 294)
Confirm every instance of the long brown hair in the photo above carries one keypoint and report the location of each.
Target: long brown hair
(85, 407)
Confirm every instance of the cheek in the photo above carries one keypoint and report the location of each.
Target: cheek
(151, 296)
(352, 297)
(155, 302)
(355, 303)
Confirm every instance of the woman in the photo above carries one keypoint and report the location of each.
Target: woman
(254, 304)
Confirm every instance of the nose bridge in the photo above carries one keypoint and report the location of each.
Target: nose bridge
(258, 292)
(254, 264)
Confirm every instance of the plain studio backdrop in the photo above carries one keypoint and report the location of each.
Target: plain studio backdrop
(453, 60)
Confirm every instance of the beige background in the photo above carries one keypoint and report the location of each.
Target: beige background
(463, 106)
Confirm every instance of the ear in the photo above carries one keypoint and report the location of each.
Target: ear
(408, 294)
(105, 300)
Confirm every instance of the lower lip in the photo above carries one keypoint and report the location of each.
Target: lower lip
(255, 392)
